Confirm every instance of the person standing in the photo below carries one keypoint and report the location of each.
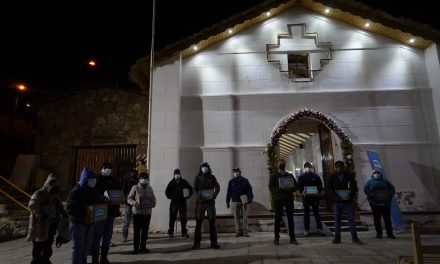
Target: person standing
(126, 188)
(207, 189)
(343, 188)
(310, 186)
(283, 199)
(178, 191)
(380, 193)
(142, 198)
(46, 210)
(104, 229)
(240, 192)
(82, 195)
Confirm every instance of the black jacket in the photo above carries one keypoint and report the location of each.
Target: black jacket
(206, 182)
(174, 191)
(309, 179)
(348, 183)
(77, 201)
(109, 183)
(277, 192)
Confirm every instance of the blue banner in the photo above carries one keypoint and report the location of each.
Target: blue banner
(376, 164)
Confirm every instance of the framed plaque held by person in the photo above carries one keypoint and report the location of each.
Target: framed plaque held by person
(244, 199)
(207, 194)
(286, 182)
(311, 190)
(96, 213)
(146, 202)
(185, 192)
(343, 194)
(115, 196)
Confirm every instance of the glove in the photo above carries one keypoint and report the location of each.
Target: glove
(227, 205)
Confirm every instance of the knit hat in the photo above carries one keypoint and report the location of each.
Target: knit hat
(176, 171)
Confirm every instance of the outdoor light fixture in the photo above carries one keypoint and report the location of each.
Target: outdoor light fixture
(230, 31)
(412, 40)
(327, 10)
(195, 48)
(21, 87)
(367, 24)
(267, 13)
(92, 63)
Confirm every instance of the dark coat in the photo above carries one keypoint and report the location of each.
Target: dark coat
(109, 183)
(374, 186)
(174, 191)
(348, 183)
(239, 186)
(277, 192)
(206, 182)
(309, 179)
(80, 197)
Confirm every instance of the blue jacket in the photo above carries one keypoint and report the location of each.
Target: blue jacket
(309, 179)
(237, 187)
(373, 187)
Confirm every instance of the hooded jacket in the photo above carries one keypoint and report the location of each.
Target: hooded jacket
(206, 182)
(174, 191)
(46, 209)
(380, 192)
(82, 196)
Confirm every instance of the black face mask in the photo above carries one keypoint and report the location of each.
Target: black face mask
(282, 167)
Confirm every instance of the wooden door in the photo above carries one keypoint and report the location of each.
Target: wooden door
(122, 158)
(328, 167)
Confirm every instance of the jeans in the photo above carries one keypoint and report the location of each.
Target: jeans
(127, 220)
(279, 206)
(181, 209)
(42, 250)
(81, 237)
(314, 203)
(209, 208)
(141, 224)
(348, 209)
(240, 212)
(103, 231)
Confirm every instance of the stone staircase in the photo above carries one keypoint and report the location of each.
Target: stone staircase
(329, 221)
(11, 213)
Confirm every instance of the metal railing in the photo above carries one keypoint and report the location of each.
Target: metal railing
(18, 189)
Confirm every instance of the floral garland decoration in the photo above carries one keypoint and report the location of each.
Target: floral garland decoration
(346, 145)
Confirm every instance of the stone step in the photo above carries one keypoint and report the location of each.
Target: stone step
(331, 223)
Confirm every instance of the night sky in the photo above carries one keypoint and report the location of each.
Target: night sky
(47, 45)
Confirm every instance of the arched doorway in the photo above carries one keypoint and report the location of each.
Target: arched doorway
(312, 132)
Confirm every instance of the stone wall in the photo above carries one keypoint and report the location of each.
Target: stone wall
(94, 117)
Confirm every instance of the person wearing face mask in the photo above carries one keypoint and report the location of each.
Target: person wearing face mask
(380, 193)
(175, 192)
(126, 188)
(104, 229)
(207, 189)
(83, 194)
(343, 188)
(237, 187)
(283, 199)
(142, 198)
(46, 210)
(306, 181)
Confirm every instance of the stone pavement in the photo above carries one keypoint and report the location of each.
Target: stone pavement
(258, 248)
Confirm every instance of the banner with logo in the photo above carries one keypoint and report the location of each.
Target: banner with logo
(376, 164)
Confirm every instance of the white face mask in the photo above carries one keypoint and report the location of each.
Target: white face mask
(307, 170)
(376, 176)
(106, 171)
(177, 176)
(236, 174)
(91, 183)
(205, 170)
(143, 181)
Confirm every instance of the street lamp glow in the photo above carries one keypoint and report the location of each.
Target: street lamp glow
(92, 63)
(21, 87)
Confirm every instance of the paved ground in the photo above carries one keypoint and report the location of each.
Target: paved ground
(258, 248)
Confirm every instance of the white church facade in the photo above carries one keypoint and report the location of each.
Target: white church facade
(224, 102)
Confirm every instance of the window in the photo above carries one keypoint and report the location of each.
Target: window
(298, 65)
